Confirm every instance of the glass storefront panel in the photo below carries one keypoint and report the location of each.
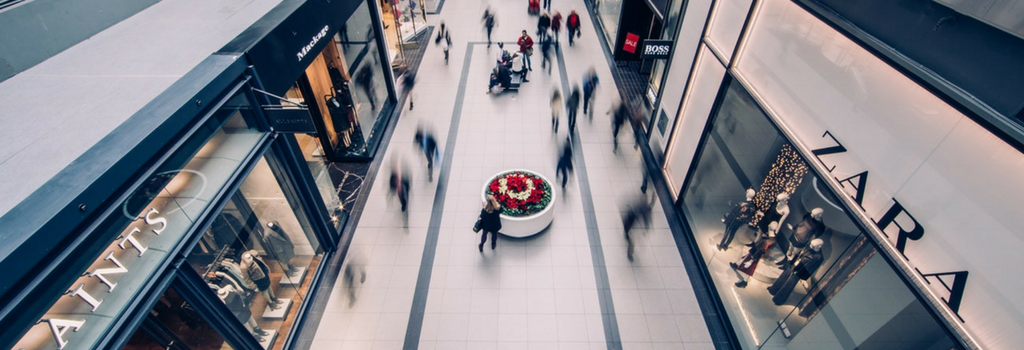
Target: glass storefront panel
(792, 268)
(149, 224)
(401, 22)
(725, 26)
(259, 255)
(175, 324)
(346, 90)
(609, 11)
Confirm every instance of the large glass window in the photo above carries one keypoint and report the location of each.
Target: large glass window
(609, 12)
(259, 255)
(346, 91)
(792, 268)
(148, 225)
(175, 324)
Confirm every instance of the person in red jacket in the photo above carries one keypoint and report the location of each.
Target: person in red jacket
(572, 23)
(525, 45)
(556, 24)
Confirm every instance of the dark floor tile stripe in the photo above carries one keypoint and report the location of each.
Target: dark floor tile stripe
(419, 300)
(604, 292)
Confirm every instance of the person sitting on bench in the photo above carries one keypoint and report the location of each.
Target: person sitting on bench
(500, 76)
(518, 67)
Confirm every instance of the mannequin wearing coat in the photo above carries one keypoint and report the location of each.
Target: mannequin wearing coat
(810, 227)
(777, 213)
(737, 216)
(278, 242)
(805, 266)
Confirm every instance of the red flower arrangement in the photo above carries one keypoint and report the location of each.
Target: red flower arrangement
(520, 193)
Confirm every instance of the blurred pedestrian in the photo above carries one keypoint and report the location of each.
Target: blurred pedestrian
(620, 114)
(556, 24)
(556, 109)
(353, 268)
(526, 48)
(428, 144)
(440, 33)
(407, 80)
(545, 54)
(543, 24)
(489, 23)
(638, 210)
(590, 83)
(490, 222)
(547, 5)
(572, 23)
(399, 187)
(564, 166)
(572, 105)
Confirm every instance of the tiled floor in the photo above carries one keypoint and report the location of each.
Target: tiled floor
(543, 292)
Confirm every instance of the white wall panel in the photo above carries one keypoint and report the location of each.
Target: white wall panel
(958, 181)
(700, 97)
(725, 25)
(682, 61)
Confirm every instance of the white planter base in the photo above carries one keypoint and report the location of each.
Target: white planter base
(526, 226)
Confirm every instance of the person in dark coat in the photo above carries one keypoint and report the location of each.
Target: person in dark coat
(572, 105)
(619, 116)
(428, 144)
(639, 210)
(542, 26)
(489, 23)
(590, 83)
(556, 25)
(564, 165)
(545, 54)
(490, 222)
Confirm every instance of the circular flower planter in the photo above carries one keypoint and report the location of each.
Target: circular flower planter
(527, 199)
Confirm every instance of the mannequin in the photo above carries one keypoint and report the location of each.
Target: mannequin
(777, 212)
(281, 246)
(258, 273)
(810, 227)
(739, 214)
(748, 264)
(806, 264)
(230, 296)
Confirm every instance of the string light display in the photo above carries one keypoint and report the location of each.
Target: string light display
(786, 173)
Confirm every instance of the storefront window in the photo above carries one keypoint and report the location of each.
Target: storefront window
(259, 256)
(147, 227)
(792, 268)
(345, 90)
(175, 324)
(403, 19)
(609, 12)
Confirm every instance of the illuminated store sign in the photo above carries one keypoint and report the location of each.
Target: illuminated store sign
(907, 227)
(656, 49)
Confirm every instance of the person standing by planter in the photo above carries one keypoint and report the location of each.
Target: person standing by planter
(490, 222)
(564, 166)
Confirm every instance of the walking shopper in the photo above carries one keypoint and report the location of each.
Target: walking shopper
(556, 24)
(572, 23)
(489, 24)
(543, 23)
(428, 144)
(572, 104)
(638, 210)
(399, 187)
(547, 5)
(526, 47)
(590, 82)
(407, 80)
(620, 115)
(564, 165)
(489, 222)
(556, 109)
(446, 46)
(545, 54)
(353, 268)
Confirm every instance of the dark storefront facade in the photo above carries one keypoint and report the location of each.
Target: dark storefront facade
(211, 215)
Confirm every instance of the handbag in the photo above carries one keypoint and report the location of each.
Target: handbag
(476, 226)
(529, 51)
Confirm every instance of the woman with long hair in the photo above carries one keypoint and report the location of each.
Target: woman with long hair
(490, 222)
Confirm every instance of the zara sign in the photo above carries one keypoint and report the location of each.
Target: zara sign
(656, 49)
